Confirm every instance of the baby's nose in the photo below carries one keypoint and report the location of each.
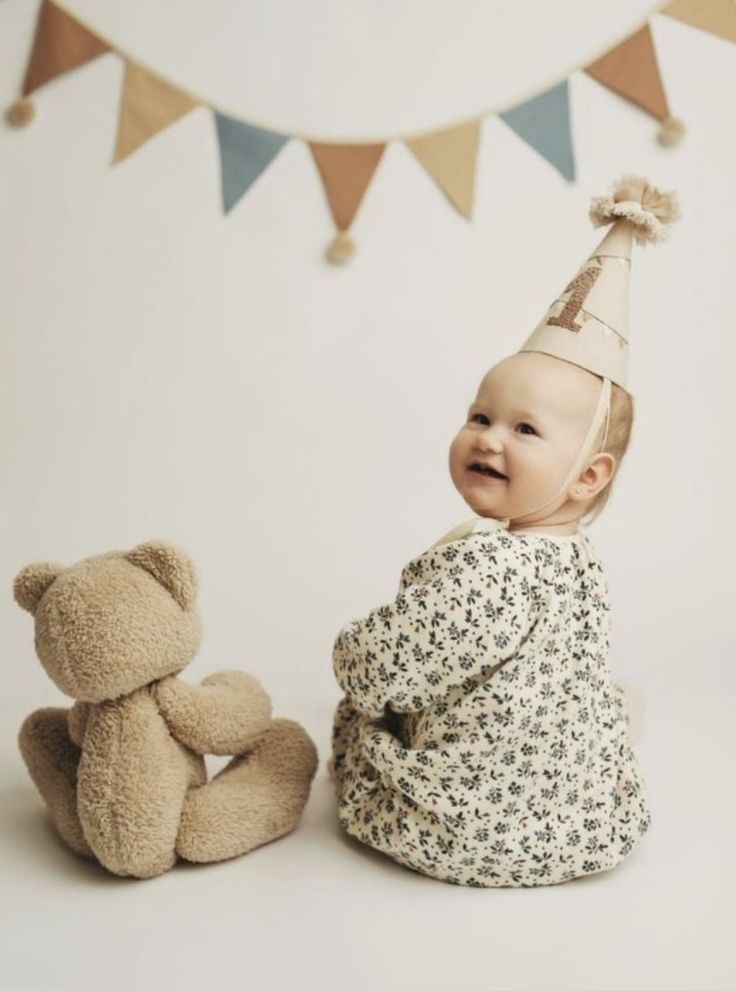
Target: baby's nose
(490, 439)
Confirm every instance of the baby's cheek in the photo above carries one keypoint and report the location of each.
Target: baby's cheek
(456, 459)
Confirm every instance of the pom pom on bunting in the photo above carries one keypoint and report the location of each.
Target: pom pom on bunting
(341, 249)
(21, 113)
(671, 132)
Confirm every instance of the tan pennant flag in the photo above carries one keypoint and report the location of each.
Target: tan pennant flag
(147, 106)
(60, 44)
(346, 171)
(631, 70)
(715, 16)
(450, 158)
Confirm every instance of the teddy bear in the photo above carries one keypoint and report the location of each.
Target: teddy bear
(122, 771)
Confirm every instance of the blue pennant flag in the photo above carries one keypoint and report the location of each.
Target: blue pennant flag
(544, 123)
(245, 151)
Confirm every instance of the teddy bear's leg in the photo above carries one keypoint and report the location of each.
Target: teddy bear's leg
(52, 759)
(256, 798)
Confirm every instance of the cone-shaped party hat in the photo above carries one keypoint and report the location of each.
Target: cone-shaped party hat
(587, 324)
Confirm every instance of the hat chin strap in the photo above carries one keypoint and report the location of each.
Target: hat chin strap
(602, 410)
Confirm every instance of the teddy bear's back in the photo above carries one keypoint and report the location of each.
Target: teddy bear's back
(131, 782)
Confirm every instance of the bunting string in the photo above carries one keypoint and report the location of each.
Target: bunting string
(448, 154)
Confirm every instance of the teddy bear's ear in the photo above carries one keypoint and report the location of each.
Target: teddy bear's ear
(170, 566)
(32, 582)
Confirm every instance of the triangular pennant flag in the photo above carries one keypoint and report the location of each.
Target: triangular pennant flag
(245, 151)
(631, 70)
(544, 123)
(60, 44)
(148, 105)
(718, 17)
(449, 156)
(346, 171)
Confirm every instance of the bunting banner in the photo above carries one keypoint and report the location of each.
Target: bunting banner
(245, 151)
(346, 171)
(149, 104)
(60, 44)
(631, 69)
(717, 17)
(449, 156)
(544, 123)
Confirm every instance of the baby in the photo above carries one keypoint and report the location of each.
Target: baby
(528, 421)
(481, 739)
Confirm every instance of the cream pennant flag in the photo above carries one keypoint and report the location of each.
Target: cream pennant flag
(346, 171)
(449, 156)
(718, 17)
(147, 106)
(631, 70)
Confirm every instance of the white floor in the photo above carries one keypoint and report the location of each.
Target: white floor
(316, 909)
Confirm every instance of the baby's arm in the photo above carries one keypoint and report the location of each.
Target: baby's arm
(470, 616)
(226, 714)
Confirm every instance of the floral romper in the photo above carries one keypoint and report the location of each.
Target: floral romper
(481, 739)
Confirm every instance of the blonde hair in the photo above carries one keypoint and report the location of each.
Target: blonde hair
(617, 442)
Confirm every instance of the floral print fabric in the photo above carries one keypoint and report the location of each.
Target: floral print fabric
(481, 739)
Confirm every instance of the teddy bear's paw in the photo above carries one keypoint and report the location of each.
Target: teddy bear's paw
(285, 753)
(248, 707)
(255, 799)
(227, 714)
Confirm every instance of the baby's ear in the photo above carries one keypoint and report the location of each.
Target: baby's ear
(32, 582)
(170, 566)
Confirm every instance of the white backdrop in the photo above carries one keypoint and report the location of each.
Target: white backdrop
(167, 371)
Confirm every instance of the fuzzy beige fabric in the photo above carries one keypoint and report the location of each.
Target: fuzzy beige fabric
(255, 799)
(226, 714)
(650, 210)
(122, 772)
(52, 759)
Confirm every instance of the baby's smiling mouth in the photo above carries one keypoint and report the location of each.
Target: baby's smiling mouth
(484, 469)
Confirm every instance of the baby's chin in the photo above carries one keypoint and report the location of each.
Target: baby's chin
(488, 500)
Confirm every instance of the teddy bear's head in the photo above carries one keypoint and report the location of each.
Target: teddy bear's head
(113, 622)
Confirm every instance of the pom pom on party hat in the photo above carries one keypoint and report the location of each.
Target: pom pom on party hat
(587, 324)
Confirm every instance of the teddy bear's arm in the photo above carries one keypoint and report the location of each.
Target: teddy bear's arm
(77, 721)
(226, 714)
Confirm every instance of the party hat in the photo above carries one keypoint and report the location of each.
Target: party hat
(587, 324)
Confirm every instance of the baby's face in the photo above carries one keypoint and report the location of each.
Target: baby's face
(529, 419)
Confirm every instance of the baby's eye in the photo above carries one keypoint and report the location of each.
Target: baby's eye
(474, 419)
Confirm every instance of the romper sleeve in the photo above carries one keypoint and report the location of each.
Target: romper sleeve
(473, 612)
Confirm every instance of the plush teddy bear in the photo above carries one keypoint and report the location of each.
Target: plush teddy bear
(122, 772)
